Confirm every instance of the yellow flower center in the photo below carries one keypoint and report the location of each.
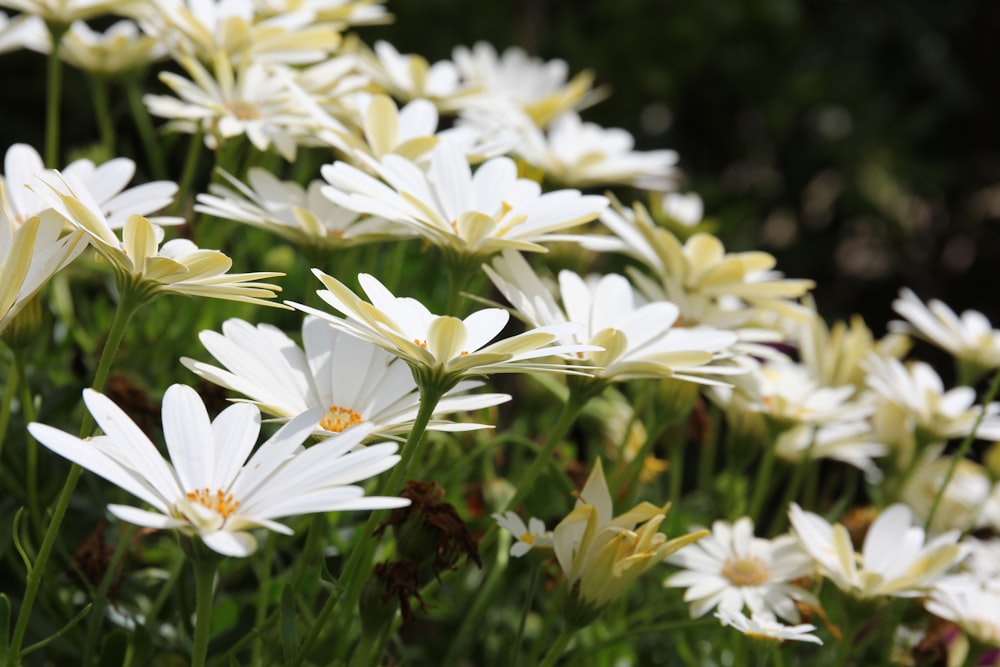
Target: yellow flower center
(745, 571)
(243, 110)
(339, 419)
(217, 500)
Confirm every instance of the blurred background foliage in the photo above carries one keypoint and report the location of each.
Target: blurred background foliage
(857, 140)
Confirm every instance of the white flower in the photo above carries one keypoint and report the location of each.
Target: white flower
(351, 380)
(764, 626)
(105, 184)
(30, 254)
(440, 348)
(23, 31)
(177, 266)
(409, 132)
(410, 76)
(532, 536)
(731, 569)
(686, 209)
(969, 338)
(639, 338)
(301, 215)
(209, 488)
(259, 101)
(851, 442)
(536, 87)
(963, 499)
(582, 155)
(205, 28)
(120, 48)
(66, 11)
(602, 555)
(469, 214)
(894, 560)
(975, 610)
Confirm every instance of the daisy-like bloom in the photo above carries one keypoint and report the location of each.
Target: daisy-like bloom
(582, 155)
(851, 442)
(472, 215)
(973, 609)
(64, 12)
(963, 499)
(256, 100)
(639, 338)
(728, 290)
(913, 409)
(212, 488)
(178, 266)
(23, 32)
(106, 185)
(971, 339)
(602, 555)
(441, 349)
(302, 215)
(408, 132)
(538, 88)
(409, 76)
(532, 536)
(30, 253)
(686, 209)
(351, 380)
(765, 627)
(120, 48)
(731, 568)
(203, 29)
(894, 560)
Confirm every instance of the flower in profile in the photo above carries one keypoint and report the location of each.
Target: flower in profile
(464, 213)
(64, 12)
(301, 215)
(731, 569)
(974, 609)
(408, 132)
(513, 78)
(971, 339)
(212, 488)
(894, 560)
(764, 626)
(639, 338)
(602, 555)
(729, 290)
(120, 48)
(30, 254)
(139, 260)
(23, 31)
(442, 349)
(105, 184)
(531, 536)
(352, 381)
(962, 501)
(410, 76)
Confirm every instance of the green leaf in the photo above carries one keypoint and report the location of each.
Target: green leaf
(63, 630)
(17, 540)
(4, 625)
(289, 633)
(224, 616)
(113, 650)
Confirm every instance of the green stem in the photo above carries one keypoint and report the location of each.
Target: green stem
(8, 399)
(963, 450)
(204, 580)
(151, 142)
(31, 452)
(263, 597)
(128, 304)
(515, 647)
(707, 456)
(359, 562)
(556, 651)
(190, 169)
(53, 96)
(792, 488)
(95, 622)
(763, 476)
(102, 110)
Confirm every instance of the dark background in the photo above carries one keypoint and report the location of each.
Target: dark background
(855, 139)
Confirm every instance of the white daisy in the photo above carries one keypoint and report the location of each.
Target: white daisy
(301, 215)
(969, 338)
(351, 380)
(851, 442)
(410, 76)
(120, 48)
(963, 499)
(731, 569)
(64, 12)
(439, 348)
(532, 536)
(973, 609)
(209, 488)
(639, 338)
(106, 185)
(764, 626)
(894, 560)
(30, 254)
(469, 214)
(23, 31)
(177, 266)
(409, 132)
